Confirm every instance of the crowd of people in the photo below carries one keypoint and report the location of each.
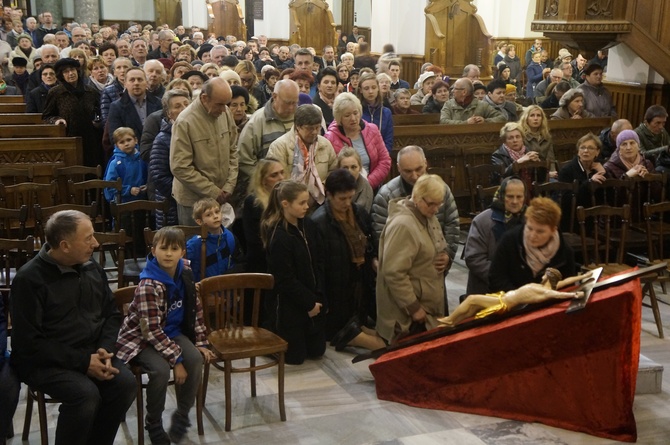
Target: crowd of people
(297, 149)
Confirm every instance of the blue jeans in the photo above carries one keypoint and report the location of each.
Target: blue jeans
(9, 397)
(91, 410)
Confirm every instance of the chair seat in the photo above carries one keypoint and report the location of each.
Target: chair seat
(246, 341)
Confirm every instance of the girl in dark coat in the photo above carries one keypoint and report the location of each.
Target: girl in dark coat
(346, 231)
(77, 106)
(295, 259)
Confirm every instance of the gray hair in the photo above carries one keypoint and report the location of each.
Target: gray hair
(62, 225)
(400, 91)
(469, 68)
(307, 115)
(169, 95)
(280, 85)
(410, 149)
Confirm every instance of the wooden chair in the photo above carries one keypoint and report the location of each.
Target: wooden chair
(136, 215)
(115, 243)
(657, 232)
(75, 173)
(16, 175)
(538, 170)
(565, 195)
(29, 194)
(605, 219)
(42, 215)
(13, 222)
(14, 253)
(223, 303)
(448, 175)
(86, 192)
(486, 175)
(485, 197)
(123, 296)
(33, 395)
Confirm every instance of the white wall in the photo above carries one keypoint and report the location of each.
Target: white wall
(363, 12)
(509, 18)
(68, 8)
(625, 66)
(123, 11)
(276, 20)
(336, 8)
(194, 13)
(392, 16)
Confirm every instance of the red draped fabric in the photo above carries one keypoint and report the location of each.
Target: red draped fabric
(575, 371)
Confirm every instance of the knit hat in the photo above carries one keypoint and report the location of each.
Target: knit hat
(304, 99)
(502, 67)
(424, 76)
(563, 53)
(627, 135)
(24, 36)
(509, 88)
(204, 48)
(229, 75)
(20, 61)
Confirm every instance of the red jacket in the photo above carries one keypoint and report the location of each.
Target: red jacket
(380, 161)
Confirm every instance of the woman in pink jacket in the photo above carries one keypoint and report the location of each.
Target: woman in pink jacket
(349, 130)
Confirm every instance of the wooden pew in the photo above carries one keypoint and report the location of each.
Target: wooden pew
(20, 119)
(18, 99)
(416, 119)
(12, 108)
(459, 145)
(41, 153)
(32, 131)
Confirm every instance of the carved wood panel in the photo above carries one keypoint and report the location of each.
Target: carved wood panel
(312, 24)
(226, 18)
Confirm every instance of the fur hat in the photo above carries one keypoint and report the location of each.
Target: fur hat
(424, 76)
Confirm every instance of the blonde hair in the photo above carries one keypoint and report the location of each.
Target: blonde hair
(121, 132)
(343, 101)
(256, 186)
(431, 186)
(510, 127)
(544, 125)
(202, 205)
(348, 152)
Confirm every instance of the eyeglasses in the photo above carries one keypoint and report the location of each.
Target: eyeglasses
(431, 205)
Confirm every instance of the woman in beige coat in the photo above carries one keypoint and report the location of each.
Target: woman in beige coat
(412, 260)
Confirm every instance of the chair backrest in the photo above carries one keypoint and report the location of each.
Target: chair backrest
(651, 189)
(565, 195)
(86, 192)
(613, 192)
(141, 208)
(16, 175)
(485, 197)
(75, 173)
(28, 193)
(42, 215)
(538, 170)
(115, 244)
(13, 222)
(14, 253)
(655, 215)
(486, 175)
(604, 220)
(123, 296)
(223, 298)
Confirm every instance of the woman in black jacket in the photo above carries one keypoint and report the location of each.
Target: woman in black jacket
(295, 260)
(439, 95)
(346, 231)
(36, 99)
(524, 253)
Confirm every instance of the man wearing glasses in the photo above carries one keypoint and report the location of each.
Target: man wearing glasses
(464, 108)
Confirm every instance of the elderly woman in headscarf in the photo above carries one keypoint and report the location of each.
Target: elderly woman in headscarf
(488, 227)
(76, 106)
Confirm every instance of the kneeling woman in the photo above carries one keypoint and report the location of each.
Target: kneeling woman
(525, 252)
(295, 260)
(412, 260)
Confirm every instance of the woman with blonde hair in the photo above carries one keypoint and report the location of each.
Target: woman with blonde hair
(80, 56)
(247, 72)
(210, 70)
(535, 126)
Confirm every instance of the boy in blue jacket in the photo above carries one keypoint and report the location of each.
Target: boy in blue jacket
(223, 249)
(127, 165)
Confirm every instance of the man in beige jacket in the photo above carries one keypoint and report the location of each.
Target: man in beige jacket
(203, 150)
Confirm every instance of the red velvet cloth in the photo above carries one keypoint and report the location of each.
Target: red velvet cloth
(574, 371)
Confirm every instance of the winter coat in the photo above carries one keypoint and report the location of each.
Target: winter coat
(161, 176)
(133, 173)
(383, 119)
(380, 161)
(454, 113)
(324, 157)
(222, 254)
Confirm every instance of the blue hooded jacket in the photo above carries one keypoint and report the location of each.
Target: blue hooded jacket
(133, 173)
(175, 293)
(220, 251)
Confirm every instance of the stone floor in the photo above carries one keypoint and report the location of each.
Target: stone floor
(332, 401)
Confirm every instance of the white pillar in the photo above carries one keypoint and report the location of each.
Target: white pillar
(194, 13)
(276, 20)
(509, 18)
(399, 22)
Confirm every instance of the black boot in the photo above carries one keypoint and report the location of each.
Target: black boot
(157, 434)
(178, 427)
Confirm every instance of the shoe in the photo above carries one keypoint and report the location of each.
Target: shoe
(338, 336)
(156, 432)
(179, 427)
(349, 332)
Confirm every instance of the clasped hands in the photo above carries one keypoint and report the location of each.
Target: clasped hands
(100, 365)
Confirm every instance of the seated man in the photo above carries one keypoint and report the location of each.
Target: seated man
(654, 138)
(65, 324)
(464, 108)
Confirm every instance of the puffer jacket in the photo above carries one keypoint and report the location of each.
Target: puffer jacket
(161, 176)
